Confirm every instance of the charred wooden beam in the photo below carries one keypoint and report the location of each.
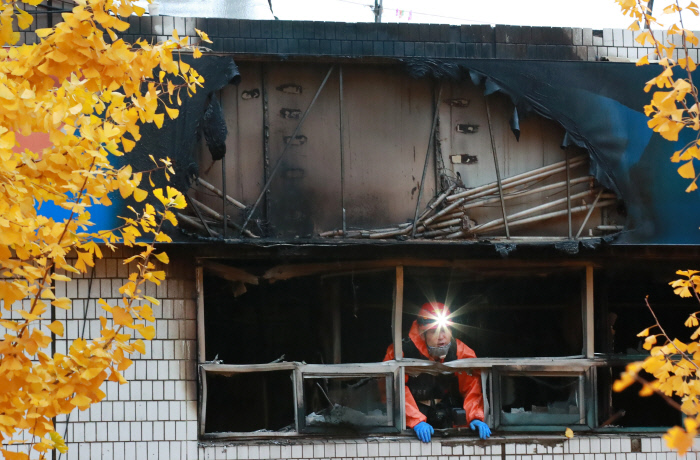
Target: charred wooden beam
(285, 272)
(193, 223)
(229, 273)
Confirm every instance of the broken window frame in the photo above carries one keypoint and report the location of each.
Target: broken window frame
(229, 370)
(299, 372)
(586, 392)
(584, 364)
(394, 369)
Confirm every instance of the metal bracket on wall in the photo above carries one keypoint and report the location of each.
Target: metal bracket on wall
(467, 128)
(463, 159)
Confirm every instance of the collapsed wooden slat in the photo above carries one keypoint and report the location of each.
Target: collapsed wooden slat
(452, 221)
(193, 223)
(212, 213)
(519, 179)
(390, 233)
(433, 205)
(511, 196)
(588, 215)
(527, 212)
(552, 215)
(445, 211)
(220, 194)
(444, 231)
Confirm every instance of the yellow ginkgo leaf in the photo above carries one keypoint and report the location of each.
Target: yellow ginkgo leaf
(56, 327)
(687, 171)
(81, 401)
(172, 112)
(203, 35)
(140, 195)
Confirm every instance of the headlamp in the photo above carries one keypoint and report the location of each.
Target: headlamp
(438, 320)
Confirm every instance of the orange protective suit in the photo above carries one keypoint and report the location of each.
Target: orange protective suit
(469, 385)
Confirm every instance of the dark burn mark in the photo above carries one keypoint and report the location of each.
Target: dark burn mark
(290, 88)
(251, 94)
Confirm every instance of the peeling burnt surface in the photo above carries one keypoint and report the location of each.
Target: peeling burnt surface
(291, 114)
(600, 107)
(178, 139)
(290, 88)
(214, 129)
(250, 94)
(598, 104)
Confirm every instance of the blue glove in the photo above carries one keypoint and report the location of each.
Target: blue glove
(484, 430)
(424, 431)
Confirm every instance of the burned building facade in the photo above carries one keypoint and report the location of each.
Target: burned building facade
(341, 175)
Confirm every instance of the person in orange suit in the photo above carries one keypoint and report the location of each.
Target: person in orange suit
(430, 399)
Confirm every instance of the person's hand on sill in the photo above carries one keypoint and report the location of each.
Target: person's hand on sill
(424, 431)
(482, 428)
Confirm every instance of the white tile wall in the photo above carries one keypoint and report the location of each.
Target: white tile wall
(154, 416)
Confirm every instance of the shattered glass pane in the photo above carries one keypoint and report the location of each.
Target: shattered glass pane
(541, 400)
(348, 401)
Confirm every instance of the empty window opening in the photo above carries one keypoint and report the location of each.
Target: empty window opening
(312, 319)
(264, 323)
(250, 402)
(621, 311)
(503, 314)
(626, 409)
(365, 304)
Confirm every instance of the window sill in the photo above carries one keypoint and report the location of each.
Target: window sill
(456, 439)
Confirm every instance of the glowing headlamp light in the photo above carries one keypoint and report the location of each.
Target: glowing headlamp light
(437, 321)
(442, 321)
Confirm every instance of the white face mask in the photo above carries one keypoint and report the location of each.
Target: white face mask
(439, 352)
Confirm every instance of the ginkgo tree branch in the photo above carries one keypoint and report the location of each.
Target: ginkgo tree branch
(646, 384)
(668, 339)
(89, 114)
(47, 270)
